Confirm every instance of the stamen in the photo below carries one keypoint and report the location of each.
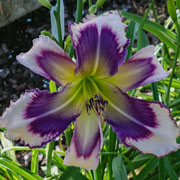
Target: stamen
(105, 103)
(98, 106)
(91, 101)
(97, 102)
(96, 97)
(88, 108)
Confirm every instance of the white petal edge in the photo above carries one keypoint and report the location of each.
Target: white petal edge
(15, 123)
(163, 140)
(111, 20)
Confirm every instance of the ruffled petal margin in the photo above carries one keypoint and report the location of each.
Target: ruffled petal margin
(47, 59)
(100, 44)
(86, 142)
(141, 69)
(38, 116)
(147, 126)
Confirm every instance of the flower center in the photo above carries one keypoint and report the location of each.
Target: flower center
(97, 105)
(93, 101)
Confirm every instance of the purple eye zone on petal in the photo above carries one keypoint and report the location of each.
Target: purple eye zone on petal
(109, 49)
(147, 72)
(86, 152)
(41, 123)
(85, 52)
(136, 130)
(42, 60)
(33, 109)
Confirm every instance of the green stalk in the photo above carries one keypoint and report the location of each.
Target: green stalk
(140, 29)
(49, 150)
(111, 148)
(90, 3)
(50, 146)
(154, 11)
(79, 10)
(34, 161)
(68, 135)
(58, 22)
(155, 91)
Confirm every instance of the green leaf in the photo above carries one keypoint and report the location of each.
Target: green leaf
(131, 32)
(140, 160)
(149, 167)
(46, 33)
(149, 23)
(99, 3)
(159, 31)
(178, 4)
(57, 22)
(49, 151)
(170, 169)
(58, 161)
(175, 103)
(34, 161)
(2, 178)
(45, 3)
(78, 176)
(119, 170)
(7, 144)
(92, 9)
(69, 172)
(161, 169)
(172, 10)
(14, 167)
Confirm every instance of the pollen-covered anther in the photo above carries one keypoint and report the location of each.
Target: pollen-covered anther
(97, 105)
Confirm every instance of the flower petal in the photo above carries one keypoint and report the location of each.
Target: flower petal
(142, 68)
(100, 44)
(146, 125)
(86, 142)
(47, 59)
(38, 116)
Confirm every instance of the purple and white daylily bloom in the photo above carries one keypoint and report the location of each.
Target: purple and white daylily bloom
(94, 89)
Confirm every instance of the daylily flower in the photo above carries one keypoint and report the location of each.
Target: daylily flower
(94, 89)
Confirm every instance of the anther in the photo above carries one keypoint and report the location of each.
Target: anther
(88, 108)
(91, 101)
(105, 103)
(96, 97)
(97, 102)
(101, 108)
